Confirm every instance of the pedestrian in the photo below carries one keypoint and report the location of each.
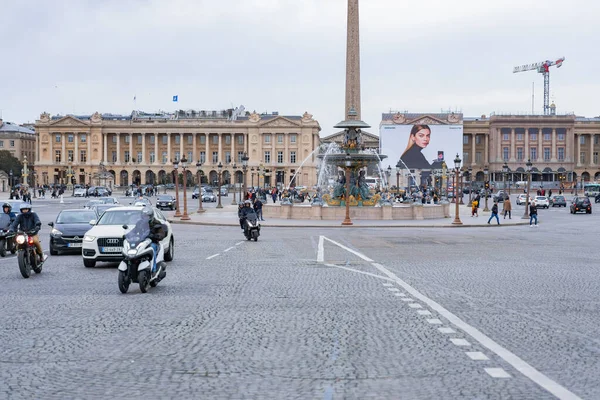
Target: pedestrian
(507, 208)
(494, 213)
(474, 205)
(258, 206)
(532, 214)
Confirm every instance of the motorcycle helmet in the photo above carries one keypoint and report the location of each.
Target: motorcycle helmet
(24, 206)
(7, 205)
(248, 202)
(148, 212)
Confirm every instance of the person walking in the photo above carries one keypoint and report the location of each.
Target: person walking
(474, 205)
(258, 206)
(533, 214)
(494, 213)
(507, 208)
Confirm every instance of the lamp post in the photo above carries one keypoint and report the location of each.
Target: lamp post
(444, 170)
(348, 164)
(398, 169)
(526, 213)
(245, 159)
(388, 175)
(11, 179)
(234, 167)
(505, 175)
(462, 176)
(33, 176)
(184, 167)
(486, 172)
(252, 176)
(457, 161)
(176, 167)
(199, 173)
(261, 172)
(470, 172)
(219, 173)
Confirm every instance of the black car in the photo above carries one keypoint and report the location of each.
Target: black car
(581, 204)
(69, 229)
(166, 201)
(558, 201)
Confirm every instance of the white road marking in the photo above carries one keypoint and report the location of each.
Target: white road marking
(424, 312)
(230, 248)
(446, 330)
(407, 299)
(399, 294)
(320, 250)
(213, 256)
(477, 356)
(434, 321)
(387, 284)
(393, 289)
(500, 373)
(415, 305)
(460, 342)
(360, 272)
(356, 253)
(238, 243)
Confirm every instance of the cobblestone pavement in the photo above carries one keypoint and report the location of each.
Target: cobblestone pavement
(398, 313)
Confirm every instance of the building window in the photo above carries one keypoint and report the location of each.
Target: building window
(561, 137)
(292, 157)
(533, 153)
(190, 157)
(215, 157)
(114, 138)
(139, 157)
(1, 143)
(240, 154)
(465, 139)
(177, 154)
(267, 157)
(190, 139)
(240, 139)
(596, 139)
(227, 157)
(547, 137)
(477, 139)
(70, 138)
(561, 154)
(127, 139)
(57, 138)
(466, 157)
(520, 136)
(280, 157)
(478, 157)
(546, 153)
(203, 139)
(57, 157)
(505, 154)
(581, 139)
(177, 139)
(267, 138)
(215, 139)
(83, 156)
(532, 136)
(595, 157)
(228, 139)
(164, 157)
(83, 137)
(114, 156)
(582, 157)
(165, 139)
(293, 138)
(506, 136)
(126, 155)
(519, 153)
(12, 143)
(152, 157)
(280, 138)
(152, 139)
(202, 156)
(70, 155)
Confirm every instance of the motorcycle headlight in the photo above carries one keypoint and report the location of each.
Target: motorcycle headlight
(132, 252)
(56, 232)
(89, 238)
(20, 239)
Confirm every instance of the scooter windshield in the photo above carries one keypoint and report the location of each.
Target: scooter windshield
(251, 216)
(140, 231)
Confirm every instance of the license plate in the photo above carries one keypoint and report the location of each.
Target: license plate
(75, 244)
(111, 249)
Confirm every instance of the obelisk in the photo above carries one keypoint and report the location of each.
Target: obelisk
(352, 62)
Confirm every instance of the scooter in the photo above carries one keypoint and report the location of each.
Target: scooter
(7, 242)
(251, 227)
(138, 260)
(27, 256)
(597, 198)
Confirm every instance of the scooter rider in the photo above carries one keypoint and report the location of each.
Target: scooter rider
(28, 221)
(7, 208)
(156, 231)
(243, 212)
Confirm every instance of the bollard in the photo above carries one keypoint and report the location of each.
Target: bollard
(61, 199)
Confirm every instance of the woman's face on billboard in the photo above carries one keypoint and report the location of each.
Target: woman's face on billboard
(422, 137)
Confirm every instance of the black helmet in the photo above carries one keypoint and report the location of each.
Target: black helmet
(7, 205)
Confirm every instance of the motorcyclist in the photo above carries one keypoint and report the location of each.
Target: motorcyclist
(29, 222)
(7, 208)
(244, 212)
(157, 232)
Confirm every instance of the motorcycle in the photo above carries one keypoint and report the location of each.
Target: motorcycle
(597, 198)
(7, 242)
(251, 226)
(27, 256)
(138, 258)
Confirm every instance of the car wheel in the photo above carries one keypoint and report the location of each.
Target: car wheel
(89, 263)
(53, 252)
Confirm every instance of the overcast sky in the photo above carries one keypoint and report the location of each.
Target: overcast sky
(289, 56)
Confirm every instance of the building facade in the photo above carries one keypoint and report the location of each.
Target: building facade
(18, 140)
(116, 150)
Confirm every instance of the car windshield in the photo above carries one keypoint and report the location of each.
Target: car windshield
(540, 198)
(75, 217)
(120, 217)
(163, 197)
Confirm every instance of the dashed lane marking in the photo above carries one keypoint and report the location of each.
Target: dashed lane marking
(477, 356)
(460, 342)
(434, 321)
(227, 249)
(213, 256)
(446, 330)
(500, 373)
(424, 312)
(415, 305)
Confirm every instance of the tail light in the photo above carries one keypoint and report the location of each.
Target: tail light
(29, 239)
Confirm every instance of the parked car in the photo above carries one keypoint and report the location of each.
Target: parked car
(80, 192)
(522, 199)
(68, 230)
(104, 241)
(196, 192)
(166, 201)
(541, 202)
(224, 191)
(501, 196)
(141, 201)
(558, 201)
(209, 196)
(581, 204)
(91, 203)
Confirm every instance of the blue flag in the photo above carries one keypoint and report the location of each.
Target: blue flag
(175, 98)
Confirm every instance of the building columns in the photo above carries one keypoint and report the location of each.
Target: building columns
(156, 137)
(233, 155)
(194, 149)
(181, 147)
(578, 155)
(131, 148)
(474, 148)
(512, 156)
(63, 139)
(169, 159)
(76, 159)
(540, 150)
(220, 155)
(207, 156)
(554, 151)
(487, 146)
(591, 162)
(143, 148)
(118, 148)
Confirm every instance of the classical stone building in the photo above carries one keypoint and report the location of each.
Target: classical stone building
(18, 140)
(107, 149)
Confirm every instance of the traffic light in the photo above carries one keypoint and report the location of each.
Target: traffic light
(487, 184)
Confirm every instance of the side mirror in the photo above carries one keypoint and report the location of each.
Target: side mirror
(125, 226)
(93, 222)
(51, 224)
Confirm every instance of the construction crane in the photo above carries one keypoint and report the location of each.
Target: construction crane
(542, 67)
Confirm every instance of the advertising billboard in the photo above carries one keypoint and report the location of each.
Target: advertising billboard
(421, 145)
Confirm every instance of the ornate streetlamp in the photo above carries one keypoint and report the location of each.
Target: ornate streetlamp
(219, 173)
(462, 181)
(526, 213)
(176, 167)
(388, 175)
(348, 164)
(486, 172)
(457, 161)
(24, 171)
(33, 177)
(505, 176)
(233, 203)
(184, 167)
(398, 169)
(252, 176)
(11, 179)
(470, 172)
(245, 159)
(199, 173)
